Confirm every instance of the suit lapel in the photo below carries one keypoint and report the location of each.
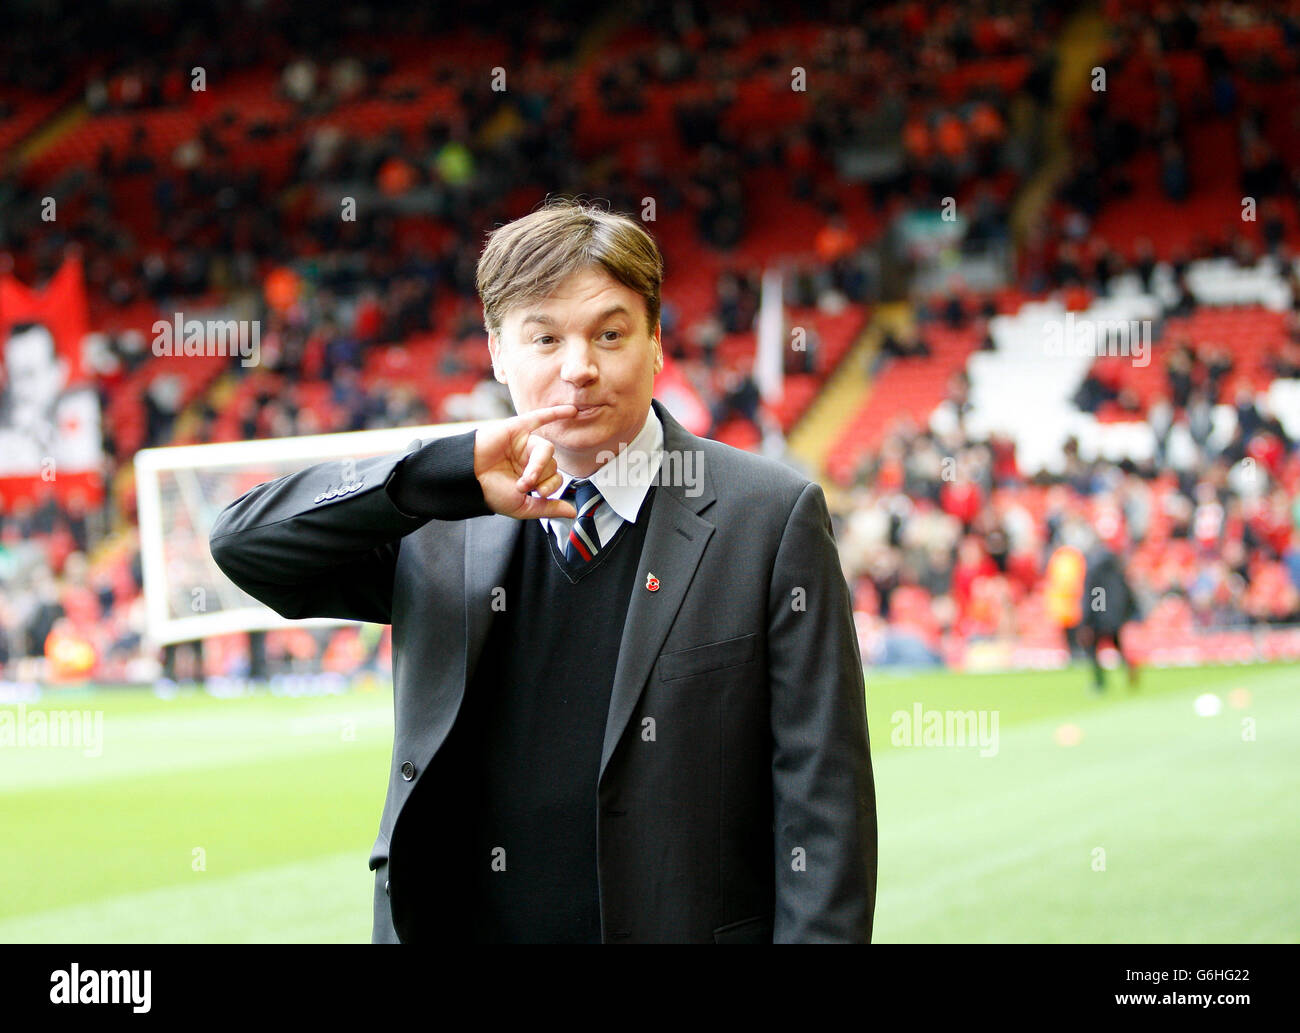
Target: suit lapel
(489, 543)
(674, 542)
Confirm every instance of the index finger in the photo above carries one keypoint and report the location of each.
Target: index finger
(534, 418)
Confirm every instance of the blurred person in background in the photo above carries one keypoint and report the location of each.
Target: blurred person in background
(1065, 582)
(1109, 605)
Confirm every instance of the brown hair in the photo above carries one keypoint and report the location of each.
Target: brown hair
(527, 259)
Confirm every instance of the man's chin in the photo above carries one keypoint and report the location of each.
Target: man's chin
(587, 445)
(582, 441)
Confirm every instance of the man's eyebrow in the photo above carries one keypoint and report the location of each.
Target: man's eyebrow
(542, 319)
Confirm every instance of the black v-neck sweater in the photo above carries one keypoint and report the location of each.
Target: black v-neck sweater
(529, 737)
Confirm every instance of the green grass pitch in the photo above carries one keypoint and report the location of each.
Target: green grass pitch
(1125, 817)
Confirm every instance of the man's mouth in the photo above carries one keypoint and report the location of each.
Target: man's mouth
(587, 410)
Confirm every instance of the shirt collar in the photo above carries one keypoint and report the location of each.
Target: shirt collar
(624, 480)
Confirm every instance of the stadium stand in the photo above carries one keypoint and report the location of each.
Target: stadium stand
(966, 463)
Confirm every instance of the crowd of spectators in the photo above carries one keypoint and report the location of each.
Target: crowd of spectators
(220, 219)
(1173, 75)
(944, 537)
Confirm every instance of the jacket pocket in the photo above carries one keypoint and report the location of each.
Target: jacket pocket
(711, 656)
(748, 930)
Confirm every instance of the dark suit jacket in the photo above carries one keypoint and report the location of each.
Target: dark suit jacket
(750, 817)
(1108, 610)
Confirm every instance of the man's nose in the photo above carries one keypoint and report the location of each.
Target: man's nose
(578, 366)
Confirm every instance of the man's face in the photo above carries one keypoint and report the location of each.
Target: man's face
(587, 345)
(33, 369)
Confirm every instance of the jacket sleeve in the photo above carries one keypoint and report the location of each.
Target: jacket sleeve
(323, 542)
(824, 803)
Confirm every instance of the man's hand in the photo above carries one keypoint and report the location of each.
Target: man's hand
(510, 461)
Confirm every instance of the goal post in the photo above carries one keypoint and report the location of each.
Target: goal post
(180, 491)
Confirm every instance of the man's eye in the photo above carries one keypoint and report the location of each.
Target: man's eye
(616, 334)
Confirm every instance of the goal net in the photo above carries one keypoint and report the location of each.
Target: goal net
(181, 490)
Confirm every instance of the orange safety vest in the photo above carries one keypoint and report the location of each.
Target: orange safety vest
(1066, 571)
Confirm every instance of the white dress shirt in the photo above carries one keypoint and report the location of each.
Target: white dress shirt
(622, 481)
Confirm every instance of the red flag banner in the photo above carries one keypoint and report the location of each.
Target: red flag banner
(49, 411)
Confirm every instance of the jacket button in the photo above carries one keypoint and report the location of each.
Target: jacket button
(386, 891)
(408, 770)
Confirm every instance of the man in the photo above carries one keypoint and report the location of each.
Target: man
(42, 420)
(629, 700)
(1065, 584)
(1109, 606)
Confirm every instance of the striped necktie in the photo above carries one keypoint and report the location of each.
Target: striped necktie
(583, 543)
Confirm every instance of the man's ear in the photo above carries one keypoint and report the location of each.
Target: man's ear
(659, 348)
(494, 349)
